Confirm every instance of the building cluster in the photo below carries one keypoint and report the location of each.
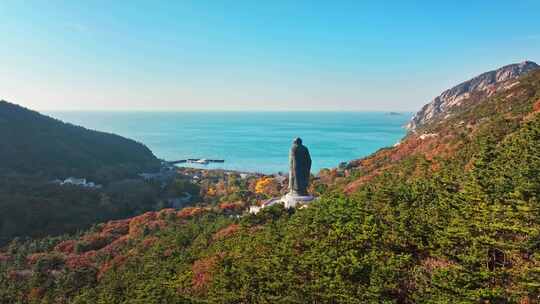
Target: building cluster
(197, 175)
(81, 182)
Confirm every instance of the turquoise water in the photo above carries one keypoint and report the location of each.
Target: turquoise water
(250, 141)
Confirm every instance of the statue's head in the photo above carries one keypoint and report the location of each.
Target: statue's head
(297, 141)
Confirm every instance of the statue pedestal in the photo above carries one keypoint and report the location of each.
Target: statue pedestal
(291, 200)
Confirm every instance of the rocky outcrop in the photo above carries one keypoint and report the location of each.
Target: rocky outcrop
(479, 87)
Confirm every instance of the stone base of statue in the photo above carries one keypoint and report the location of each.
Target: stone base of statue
(291, 200)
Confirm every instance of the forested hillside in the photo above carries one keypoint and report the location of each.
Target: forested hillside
(39, 145)
(450, 215)
(36, 149)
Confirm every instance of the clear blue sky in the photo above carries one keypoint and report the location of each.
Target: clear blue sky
(254, 55)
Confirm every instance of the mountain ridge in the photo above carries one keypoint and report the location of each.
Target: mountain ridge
(483, 85)
(33, 142)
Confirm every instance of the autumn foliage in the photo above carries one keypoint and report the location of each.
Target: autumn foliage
(66, 247)
(191, 212)
(236, 206)
(267, 185)
(4, 257)
(226, 232)
(202, 272)
(536, 106)
(105, 248)
(80, 261)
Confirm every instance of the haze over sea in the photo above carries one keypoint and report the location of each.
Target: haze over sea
(250, 141)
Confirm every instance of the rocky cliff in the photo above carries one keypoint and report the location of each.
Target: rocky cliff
(470, 91)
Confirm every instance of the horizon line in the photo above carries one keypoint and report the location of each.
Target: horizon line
(224, 110)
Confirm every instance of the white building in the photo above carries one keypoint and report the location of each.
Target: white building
(79, 182)
(254, 209)
(74, 181)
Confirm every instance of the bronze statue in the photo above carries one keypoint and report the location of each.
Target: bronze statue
(300, 167)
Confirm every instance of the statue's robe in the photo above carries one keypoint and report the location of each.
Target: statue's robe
(300, 168)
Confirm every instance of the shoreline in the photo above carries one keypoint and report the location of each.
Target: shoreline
(226, 171)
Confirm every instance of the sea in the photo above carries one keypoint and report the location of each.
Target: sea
(250, 141)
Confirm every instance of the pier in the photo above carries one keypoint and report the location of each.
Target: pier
(201, 161)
